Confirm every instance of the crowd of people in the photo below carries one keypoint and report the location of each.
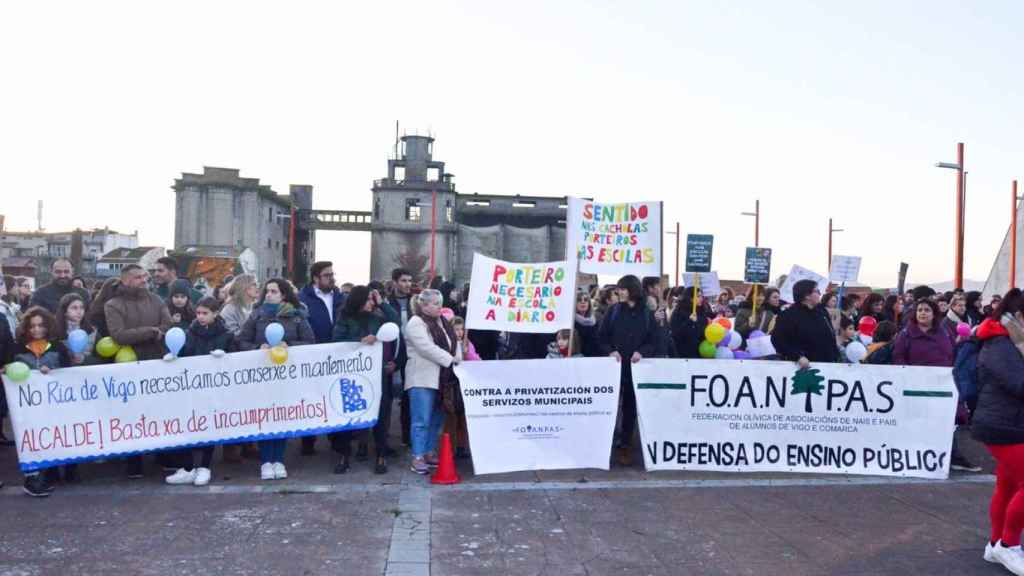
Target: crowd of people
(630, 320)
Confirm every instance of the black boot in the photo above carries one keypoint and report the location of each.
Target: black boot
(342, 466)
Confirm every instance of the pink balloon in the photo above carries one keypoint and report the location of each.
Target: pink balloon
(963, 329)
(447, 313)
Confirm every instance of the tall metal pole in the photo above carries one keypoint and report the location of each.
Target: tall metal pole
(830, 245)
(676, 279)
(958, 270)
(1013, 239)
(291, 245)
(757, 224)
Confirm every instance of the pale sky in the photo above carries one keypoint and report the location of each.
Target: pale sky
(818, 109)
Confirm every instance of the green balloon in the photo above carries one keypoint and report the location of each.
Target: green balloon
(17, 371)
(706, 349)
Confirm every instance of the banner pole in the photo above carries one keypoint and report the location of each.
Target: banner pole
(575, 294)
(696, 283)
(753, 313)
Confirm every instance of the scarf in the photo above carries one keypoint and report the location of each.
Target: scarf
(585, 320)
(38, 347)
(271, 309)
(443, 335)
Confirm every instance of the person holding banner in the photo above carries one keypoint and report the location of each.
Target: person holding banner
(804, 333)
(768, 310)
(585, 326)
(688, 326)
(359, 319)
(71, 317)
(628, 333)
(278, 304)
(433, 352)
(39, 347)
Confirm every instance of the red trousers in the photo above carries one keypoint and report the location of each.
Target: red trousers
(1007, 508)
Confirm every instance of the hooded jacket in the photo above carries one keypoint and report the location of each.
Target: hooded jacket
(999, 416)
(805, 332)
(201, 340)
(915, 347)
(48, 296)
(138, 318)
(296, 328)
(55, 356)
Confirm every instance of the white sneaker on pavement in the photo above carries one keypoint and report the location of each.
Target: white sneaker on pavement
(279, 471)
(988, 553)
(267, 471)
(181, 476)
(1010, 557)
(202, 476)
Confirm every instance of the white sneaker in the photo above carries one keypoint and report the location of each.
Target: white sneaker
(1011, 558)
(279, 471)
(267, 471)
(181, 476)
(988, 553)
(202, 476)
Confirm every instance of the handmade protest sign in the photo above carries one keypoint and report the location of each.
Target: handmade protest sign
(540, 414)
(844, 269)
(742, 416)
(698, 252)
(85, 413)
(796, 274)
(709, 284)
(758, 266)
(610, 238)
(513, 297)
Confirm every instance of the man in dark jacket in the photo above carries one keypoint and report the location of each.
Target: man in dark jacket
(628, 333)
(165, 275)
(401, 300)
(804, 332)
(6, 354)
(323, 302)
(49, 295)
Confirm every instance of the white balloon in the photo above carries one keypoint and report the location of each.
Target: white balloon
(723, 353)
(735, 340)
(855, 352)
(866, 340)
(388, 332)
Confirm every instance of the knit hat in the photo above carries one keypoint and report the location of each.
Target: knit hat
(922, 292)
(181, 286)
(802, 289)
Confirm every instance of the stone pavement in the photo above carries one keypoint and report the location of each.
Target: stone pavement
(623, 521)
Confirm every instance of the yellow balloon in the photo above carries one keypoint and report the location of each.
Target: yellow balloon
(126, 354)
(107, 347)
(714, 333)
(278, 355)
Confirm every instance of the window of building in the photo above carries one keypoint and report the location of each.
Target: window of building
(270, 215)
(376, 209)
(268, 242)
(433, 174)
(399, 173)
(412, 210)
(448, 212)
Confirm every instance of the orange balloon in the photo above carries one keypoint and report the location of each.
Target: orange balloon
(724, 323)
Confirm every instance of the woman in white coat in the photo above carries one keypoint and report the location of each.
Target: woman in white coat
(433, 352)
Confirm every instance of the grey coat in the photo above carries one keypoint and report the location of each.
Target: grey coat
(296, 327)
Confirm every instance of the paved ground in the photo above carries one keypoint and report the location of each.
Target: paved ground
(579, 522)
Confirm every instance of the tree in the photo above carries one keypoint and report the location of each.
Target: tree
(807, 381)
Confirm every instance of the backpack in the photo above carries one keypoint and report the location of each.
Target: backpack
(965, 369)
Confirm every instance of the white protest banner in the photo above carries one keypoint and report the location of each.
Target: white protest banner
(740, 416)
(844, 269)
(796, 274)
(709, 283)
(86, 413)
(540, 414)
(512, 297)
(616, 239)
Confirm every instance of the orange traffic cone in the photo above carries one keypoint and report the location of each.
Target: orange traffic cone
(446, 464)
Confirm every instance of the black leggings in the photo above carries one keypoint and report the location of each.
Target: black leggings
(186, 458)
(341, 442)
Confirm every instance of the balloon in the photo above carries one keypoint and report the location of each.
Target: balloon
(724, 322)
(867, 326)
(125, 354)
(274, 334)
(175, 340)
(855, 352)
(706, 349)
(725, 341)
(447, 314)
(17, 371)
(714, 333)
(278, 355)
(963, 329)
(866, 340)
(107, 347)
(735, 340)
(741, 355)
(388, 332)
(77, 341)
(756, 334)
(723, 354)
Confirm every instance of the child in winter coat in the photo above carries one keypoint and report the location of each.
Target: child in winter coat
(179, 306)
(468, 350)
(71, 317)
(560, 347)
(455, 425)
(207, 335)
(38, 345)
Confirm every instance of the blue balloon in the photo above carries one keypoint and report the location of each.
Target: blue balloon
(274, 334)
(175, 340)
(77, 341)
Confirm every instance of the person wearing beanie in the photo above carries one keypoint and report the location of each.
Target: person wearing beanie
(804, 331)
(179, 306)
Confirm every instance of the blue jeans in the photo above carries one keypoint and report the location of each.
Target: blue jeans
(272, 450)
(427, 420)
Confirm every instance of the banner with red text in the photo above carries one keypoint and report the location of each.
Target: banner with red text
(91, 412)
(614, 238)
(512, 297)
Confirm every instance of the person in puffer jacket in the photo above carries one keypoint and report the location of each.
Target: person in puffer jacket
(38, 345)
(999, 423)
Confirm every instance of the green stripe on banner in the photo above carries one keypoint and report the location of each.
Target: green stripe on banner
(927, 394)
(661, 386)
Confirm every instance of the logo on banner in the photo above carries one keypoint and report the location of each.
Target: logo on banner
(532, 432)
(808, 382)
(352, 395)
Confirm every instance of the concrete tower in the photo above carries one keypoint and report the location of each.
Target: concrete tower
(403, 213)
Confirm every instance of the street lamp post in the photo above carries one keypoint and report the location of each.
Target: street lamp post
(1013, 238)
(831, 230)
(958, 265)
(757, 222)
(675, 281)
